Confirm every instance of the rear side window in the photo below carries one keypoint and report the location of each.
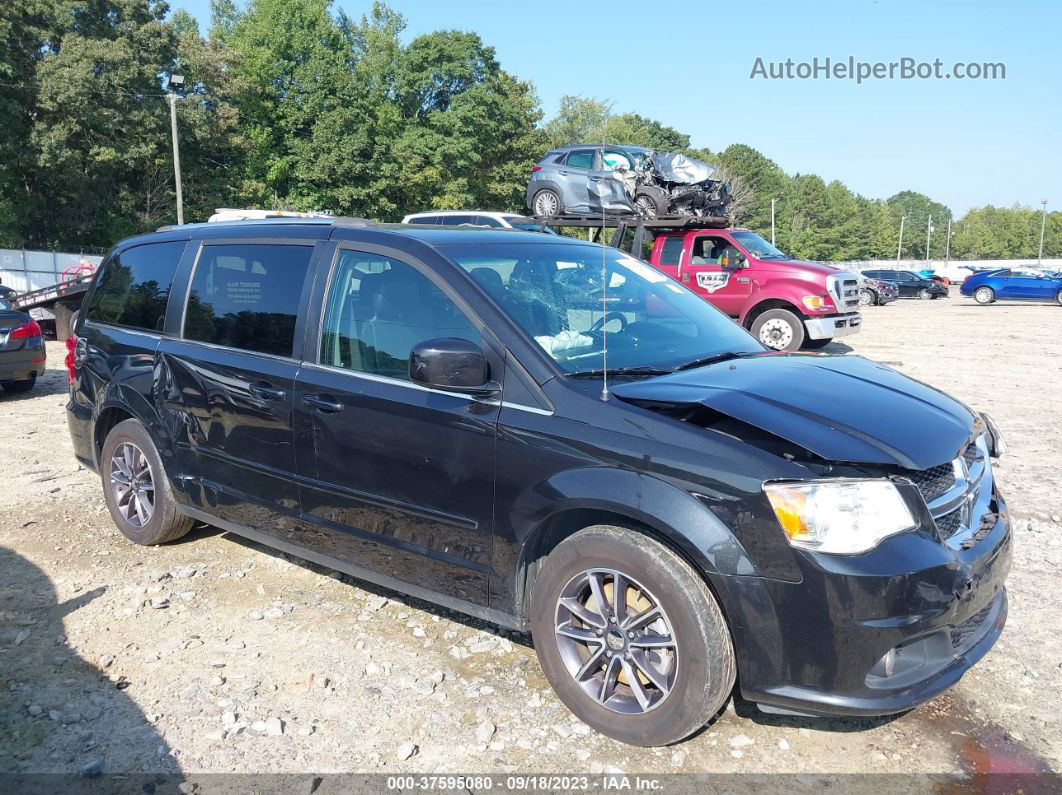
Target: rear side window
(133, 286)
(455, 220)
(671, 250)
(247, 296)
(581, 158)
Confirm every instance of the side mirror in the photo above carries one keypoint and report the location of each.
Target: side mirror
(735, 262)
(453, 364)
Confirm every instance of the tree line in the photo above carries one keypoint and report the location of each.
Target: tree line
(290, 105)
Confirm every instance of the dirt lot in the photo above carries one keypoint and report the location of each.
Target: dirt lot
(214, 654)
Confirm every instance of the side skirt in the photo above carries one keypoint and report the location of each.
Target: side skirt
(460, 605)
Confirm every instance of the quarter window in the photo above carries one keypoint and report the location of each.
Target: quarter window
(247, 296)
(671, 250)
(378, 308)
(133, 286)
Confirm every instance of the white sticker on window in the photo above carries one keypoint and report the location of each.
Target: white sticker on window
(712, 280)
(647, 272)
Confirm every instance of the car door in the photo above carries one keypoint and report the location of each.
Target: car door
(226, 377)
(605, 185)
(397, 478)
(715, 274)
(572, 177)
(1030, 286)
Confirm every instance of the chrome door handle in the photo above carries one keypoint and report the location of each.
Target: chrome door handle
(266, 391)
(325, 404)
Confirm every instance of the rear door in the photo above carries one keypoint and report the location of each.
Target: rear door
(227, 377)
(726, 288)
(397, 478)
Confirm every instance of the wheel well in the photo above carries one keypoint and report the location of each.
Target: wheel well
(554, 530)
(108, 419)
(763, 306)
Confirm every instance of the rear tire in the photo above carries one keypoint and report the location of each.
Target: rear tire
(779, 329)
(986, 295)
(22, 385)
(136, 488)
(691, 669)
(1058, 297)
(547, 202)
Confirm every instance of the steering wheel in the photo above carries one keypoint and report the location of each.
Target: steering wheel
(600, 323)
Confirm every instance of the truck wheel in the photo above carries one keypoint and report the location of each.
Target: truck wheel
(984, 295)
(630, 637)
(867, 297)
(546, 202)
(136, 489)
(779, 329)
(650, 202)
(23, 385)
(814, 345)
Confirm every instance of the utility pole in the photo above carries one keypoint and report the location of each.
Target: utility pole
(929, 231)
(947, 244)
(176, 81)
(772, 223)
(1043, 223)
(899, 246)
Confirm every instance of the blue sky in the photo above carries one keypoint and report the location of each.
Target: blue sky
(965, 143)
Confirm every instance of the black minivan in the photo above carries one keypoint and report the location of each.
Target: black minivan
(553, 436)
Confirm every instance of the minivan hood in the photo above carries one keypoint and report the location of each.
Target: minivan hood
(845, 409)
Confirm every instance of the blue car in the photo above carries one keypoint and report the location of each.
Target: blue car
(1014, 284)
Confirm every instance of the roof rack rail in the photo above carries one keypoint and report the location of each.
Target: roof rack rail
(165, 228)
(346, 220)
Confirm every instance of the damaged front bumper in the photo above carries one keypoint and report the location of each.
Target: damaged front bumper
(865, 635)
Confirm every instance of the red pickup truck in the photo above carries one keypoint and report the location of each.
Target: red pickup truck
(786, 304)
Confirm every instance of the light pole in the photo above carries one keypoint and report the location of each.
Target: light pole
(929, 231)
(1043, 223)
(947, 244)
(899, 246)
(772, 220)
(176, 82)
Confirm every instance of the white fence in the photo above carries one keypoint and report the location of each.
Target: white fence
(24, 270)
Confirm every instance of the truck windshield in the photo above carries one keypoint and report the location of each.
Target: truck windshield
(553, 292)
(757, 246)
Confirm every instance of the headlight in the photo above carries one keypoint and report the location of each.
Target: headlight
(843, 517)
(816, 301)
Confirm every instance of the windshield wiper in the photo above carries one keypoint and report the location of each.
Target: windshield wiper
(614, 371)
(719, 357)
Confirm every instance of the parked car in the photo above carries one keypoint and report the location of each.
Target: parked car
(588, 179)
(875, 292)
(910, 284)
(431, 410)
(478, 218)
(22, 353)
(784, 302)
(1014, 284)
(6, 293)
(952, 273)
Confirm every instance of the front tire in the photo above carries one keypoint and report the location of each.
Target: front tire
(630, 637)
(985, 295)
(22, 385)
(924, 294)
(547, 202)
(136, 489)
(867, 297)
(650, 202)
(779, 329)
(1058, 297)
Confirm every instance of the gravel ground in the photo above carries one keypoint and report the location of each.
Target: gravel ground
(214, 654)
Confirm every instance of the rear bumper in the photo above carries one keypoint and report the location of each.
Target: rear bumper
(832, 327)
(866, 635)
(79, 421)
(27, 362)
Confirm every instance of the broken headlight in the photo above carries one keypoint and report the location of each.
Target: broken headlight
(842, 517)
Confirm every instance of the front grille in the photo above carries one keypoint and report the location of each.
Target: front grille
(949, 524)
(970, 454)
(961, 633)
(934, 482)
(850, 293)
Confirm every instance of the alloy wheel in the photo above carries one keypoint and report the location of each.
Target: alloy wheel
(866, 298)
(132, 485)
(616, 641)
(924, 294)
(983, 295)
(545, 203)
(776, 333)
(646, 207)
